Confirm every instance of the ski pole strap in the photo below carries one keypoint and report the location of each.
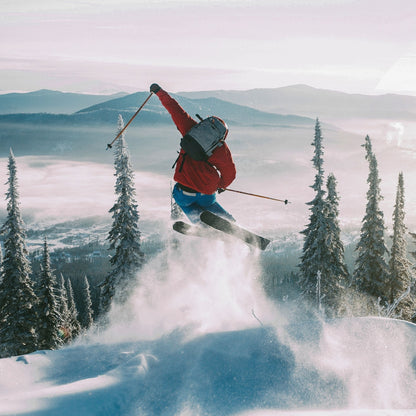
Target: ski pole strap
(258, 196)
(110, 145)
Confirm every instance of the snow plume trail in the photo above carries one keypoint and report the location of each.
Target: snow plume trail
(374, 357)
(201, 285)
(369, 362)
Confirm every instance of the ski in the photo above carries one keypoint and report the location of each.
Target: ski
(197, 230)
(221, 224)
(188, 229)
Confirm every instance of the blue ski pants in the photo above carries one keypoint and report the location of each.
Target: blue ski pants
(192, 204)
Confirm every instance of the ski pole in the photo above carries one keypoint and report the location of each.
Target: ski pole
(258, 196)
(110, 145)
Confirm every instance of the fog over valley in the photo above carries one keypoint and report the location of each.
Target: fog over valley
(66, 172)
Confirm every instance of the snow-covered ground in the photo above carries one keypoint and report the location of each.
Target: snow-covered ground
(248, 372)
(198, 337)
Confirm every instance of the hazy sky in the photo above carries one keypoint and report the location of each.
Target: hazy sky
(364, 46)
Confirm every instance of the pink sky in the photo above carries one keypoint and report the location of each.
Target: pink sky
(111, 45)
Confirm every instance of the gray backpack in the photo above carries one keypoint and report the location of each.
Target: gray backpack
(201, 140)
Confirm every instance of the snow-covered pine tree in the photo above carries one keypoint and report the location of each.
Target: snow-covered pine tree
(315, 253)
(413, 291)
(86, 317)
(371, 271)
(333, 270)
(18, 320)
(1, 259)
(50, 320)
(401, 276)
(62, 298)
(74, 325)
(124, 236)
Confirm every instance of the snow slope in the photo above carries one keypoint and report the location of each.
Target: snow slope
(188, 344)
(224, 373)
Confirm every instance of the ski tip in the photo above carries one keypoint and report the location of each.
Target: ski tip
(179, 225)
(264, 244)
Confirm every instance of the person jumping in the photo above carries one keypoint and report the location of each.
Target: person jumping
(197, 181)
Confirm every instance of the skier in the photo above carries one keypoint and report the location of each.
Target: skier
(197, 182)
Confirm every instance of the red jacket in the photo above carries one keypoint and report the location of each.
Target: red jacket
(203, 177)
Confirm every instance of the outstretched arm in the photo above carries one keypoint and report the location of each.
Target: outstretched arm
(180, 117)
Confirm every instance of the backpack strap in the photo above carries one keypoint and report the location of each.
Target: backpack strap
(183, 161)
(176, 161)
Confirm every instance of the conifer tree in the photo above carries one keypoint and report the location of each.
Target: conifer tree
(74, 325)
(18, 320)
(62, 298)
(124, 236)
(413, 288)
(1, 260)
(334, 273)
(401, 276)
(50, 320)
(86, 317)
(315, 254)
(371, 272)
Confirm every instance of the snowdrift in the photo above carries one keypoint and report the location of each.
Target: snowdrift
(351, 364)
(188, 344)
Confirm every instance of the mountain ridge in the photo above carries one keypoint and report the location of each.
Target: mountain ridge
(107, 112)
(49, 101)
(298, 99)
(308, 101)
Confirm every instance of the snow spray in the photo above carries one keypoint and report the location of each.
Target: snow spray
(368, 362)
(198, 286)
(201, 285)
(373, 356)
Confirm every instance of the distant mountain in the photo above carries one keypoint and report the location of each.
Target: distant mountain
(47, 101)
(231, 112)
(238, 106)
(129, 102)
(312, 102)
(154, 113)
(84, 133)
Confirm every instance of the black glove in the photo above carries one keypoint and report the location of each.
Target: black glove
(220, 190)
(155, 88)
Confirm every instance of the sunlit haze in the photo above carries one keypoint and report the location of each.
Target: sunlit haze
(363, 46)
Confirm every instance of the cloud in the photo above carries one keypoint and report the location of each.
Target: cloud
(52, 189)
(244, 46)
